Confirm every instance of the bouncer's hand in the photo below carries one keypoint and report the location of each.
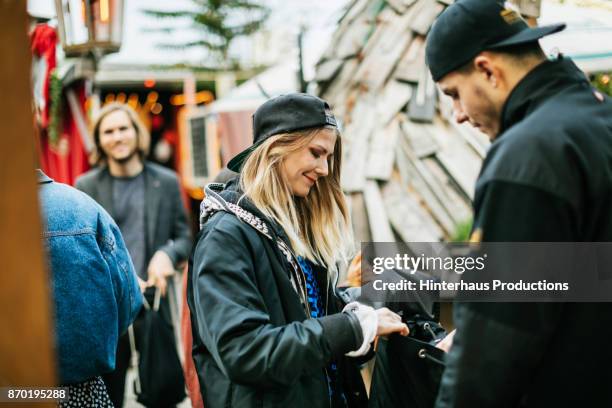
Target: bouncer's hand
(446, 343)
(160, 267)
(353, 274)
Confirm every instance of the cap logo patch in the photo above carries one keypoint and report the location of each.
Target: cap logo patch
(511, 14)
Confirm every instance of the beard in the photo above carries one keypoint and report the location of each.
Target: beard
(489, 113)
(125, 159)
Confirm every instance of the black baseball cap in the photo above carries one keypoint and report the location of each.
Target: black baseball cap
(284, 114)
(468, 27)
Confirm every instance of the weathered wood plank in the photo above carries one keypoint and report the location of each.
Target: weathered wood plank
(411, 64)
(420, 139)
(394, 97)
(359, 218)
(377, 215)
(457, 203)
(381, 156)
(423, 103)
(428, 11)
(411, 177)
(384, 49)
(408, 218)
(438, 183)
(398, 6)
(357, 136)
(328, 69)
(458, 159)
(341, 85)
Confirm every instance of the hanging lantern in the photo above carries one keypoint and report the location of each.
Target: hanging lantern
(90, 26)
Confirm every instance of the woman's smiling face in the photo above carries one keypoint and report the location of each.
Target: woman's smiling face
(302, 168)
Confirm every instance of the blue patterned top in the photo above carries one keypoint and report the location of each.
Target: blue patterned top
(312, 289)
(316, 310)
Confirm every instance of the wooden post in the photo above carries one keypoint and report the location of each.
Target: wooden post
(26, 342)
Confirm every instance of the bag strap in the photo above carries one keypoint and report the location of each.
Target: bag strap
(156, 301)
(135, 359)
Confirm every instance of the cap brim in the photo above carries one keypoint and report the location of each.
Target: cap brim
(235, 164)
(528, 35)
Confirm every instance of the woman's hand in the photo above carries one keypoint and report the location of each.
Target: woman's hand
(389, 322)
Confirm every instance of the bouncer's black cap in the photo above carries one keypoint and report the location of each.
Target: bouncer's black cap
(468, 27)
(284, 114)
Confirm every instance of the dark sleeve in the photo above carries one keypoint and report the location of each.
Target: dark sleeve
(498, 346)
(234, 324)
(511, 212)
(178, 247)
(82, 184)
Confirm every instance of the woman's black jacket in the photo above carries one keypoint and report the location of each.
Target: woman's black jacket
(253, 345)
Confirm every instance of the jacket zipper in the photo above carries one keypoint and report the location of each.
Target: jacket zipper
(327, 377)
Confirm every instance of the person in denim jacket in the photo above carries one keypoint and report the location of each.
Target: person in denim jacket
(95, 290)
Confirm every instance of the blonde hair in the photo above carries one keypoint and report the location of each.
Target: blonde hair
(142, 134)
(318, 225)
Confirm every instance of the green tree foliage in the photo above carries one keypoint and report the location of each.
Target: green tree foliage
(462, 231)
(219, 21)
(603, 82)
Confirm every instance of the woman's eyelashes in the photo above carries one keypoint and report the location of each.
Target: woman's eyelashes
(315, 153)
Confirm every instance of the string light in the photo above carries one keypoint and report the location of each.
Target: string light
(133, 100)
(152, 97)
(156, 109)
(200, 97)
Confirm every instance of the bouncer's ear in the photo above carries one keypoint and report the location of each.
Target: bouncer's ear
(484, 65)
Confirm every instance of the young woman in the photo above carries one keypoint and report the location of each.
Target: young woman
(268, 328)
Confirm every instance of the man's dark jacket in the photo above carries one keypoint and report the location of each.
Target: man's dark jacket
(166, 221)
(547, 177)
(253, 345)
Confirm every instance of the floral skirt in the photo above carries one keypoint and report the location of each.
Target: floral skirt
(91, 393)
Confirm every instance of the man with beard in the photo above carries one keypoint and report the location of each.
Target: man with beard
(546, 178)
(145, 201)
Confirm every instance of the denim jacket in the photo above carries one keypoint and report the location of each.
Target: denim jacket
(95, 290)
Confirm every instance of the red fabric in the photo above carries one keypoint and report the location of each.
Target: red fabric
(191, 376)
(67, 159)
(43, 42)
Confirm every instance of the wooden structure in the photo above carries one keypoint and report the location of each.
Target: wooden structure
(409, 169)
(26, 343)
